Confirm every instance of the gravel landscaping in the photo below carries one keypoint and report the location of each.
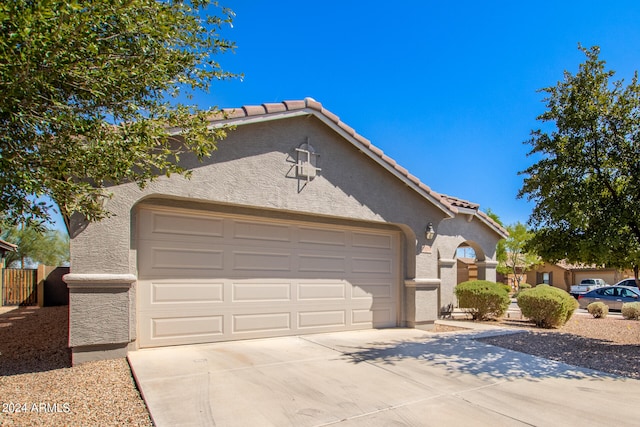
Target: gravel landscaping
(38, 386)
(611, 344)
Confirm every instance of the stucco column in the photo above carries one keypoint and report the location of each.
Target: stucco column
(448, 275)
(487, 270)
(422, 302)
(101, 315)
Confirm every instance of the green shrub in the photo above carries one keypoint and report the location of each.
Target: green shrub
(506, 287)
(631, 310)
(482, 299)
(523, 287)
(547, 306)
(598, 310)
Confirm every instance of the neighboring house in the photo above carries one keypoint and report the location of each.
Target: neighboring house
(4, 248)
(295, 225)
(563, 275)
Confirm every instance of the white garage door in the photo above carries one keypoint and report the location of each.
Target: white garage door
(206, 278)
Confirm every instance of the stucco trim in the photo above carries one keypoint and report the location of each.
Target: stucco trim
(446, 262)
(487, 263)
(74, 280)
(422, 283)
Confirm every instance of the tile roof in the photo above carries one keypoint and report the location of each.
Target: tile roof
(450, 203)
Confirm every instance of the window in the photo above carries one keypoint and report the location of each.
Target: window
(627, 293)
(545, 278)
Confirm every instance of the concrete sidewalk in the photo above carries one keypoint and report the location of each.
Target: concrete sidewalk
(373, 378)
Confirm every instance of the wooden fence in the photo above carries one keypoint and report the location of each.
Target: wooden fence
(19, 286)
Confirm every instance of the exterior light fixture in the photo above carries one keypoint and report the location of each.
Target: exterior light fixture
(430, 233)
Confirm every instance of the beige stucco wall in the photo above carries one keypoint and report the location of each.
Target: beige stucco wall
(255, 167)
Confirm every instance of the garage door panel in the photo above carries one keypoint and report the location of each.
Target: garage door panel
(362, 317)
(261, 292)
(179, 226)
(383, 318)
(373, 290)
(259, 261)
(186, 259)
(199, 293)
(317, 238)
(274, 323)
(372, 265)
(322, 319)
(321, 290)
(321, 263)
(372, 240)
(256, 278)
(260, 231)
(182, 327)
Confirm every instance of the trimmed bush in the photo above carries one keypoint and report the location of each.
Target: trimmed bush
(523, 287)
(482, 299)
(631, 310)
(546, 306)
(598, 310)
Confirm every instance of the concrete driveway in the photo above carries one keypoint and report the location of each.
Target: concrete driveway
(389, 377)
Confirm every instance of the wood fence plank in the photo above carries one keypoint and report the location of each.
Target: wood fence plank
(20, 287)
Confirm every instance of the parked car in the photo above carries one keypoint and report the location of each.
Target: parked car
(627, 282)
(612, 296)
(585, 286)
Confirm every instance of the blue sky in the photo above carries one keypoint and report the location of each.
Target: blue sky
(447, 89)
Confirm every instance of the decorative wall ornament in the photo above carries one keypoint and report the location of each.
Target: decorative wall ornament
(307, 161)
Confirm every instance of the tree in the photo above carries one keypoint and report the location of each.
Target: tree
(35, 246)
(501, 252)
(88, 98)
(515, 258)
(586, 184)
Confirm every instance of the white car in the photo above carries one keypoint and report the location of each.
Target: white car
(627, 282)
(586, 285)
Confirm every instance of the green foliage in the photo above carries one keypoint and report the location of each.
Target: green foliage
(88, 98)
(585, 184)
(546, 306)
(631, 310)
(523, 287)
(482, 299)
(598, 310)
(36, 246)
(513, 258)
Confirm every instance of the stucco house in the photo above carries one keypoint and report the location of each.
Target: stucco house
(296, 225)
(563, 275)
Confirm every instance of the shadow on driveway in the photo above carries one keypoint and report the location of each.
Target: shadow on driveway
(464, 353)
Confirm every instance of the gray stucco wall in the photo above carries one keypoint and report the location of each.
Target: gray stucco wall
(255, 166)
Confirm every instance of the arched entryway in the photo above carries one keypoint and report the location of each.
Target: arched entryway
(468, 262)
